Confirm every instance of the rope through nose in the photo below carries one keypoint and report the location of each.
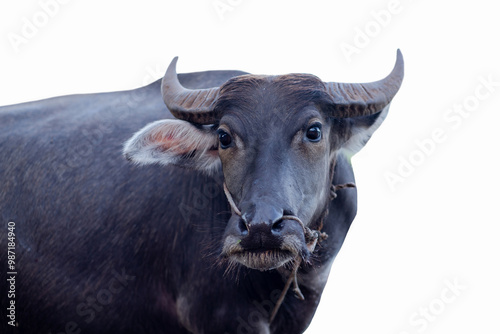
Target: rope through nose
(230, 200)
(311, 236)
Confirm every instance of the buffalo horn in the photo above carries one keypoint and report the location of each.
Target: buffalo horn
(363, 99)
(192, 105)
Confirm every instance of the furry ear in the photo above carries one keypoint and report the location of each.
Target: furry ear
(361, 130)
(174, 142)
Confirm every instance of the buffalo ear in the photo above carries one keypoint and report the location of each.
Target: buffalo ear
(174, 142)
(361, 129)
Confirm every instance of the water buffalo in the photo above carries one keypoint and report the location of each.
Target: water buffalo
(226, 217)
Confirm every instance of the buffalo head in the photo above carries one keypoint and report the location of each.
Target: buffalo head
(276, 139)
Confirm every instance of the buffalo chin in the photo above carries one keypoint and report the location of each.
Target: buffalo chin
(263, 259)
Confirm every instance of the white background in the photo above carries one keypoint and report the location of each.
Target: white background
(439, 223)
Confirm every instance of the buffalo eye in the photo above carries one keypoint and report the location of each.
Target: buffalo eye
(225, 139)
(313, 133)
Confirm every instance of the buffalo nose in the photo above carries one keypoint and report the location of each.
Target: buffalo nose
(261, 218)
(261, 228)
(273, 226)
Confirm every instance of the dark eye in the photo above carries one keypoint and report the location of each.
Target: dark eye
(314, 133)
(225, 139)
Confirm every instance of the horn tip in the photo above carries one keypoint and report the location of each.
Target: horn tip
(173, 65)
(399, 55)
(399, 66)
(170, 78)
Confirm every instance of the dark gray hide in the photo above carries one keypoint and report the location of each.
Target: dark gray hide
(105, 246)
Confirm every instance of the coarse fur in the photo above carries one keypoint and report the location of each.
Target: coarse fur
(107, 246)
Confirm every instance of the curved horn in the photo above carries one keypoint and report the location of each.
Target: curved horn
(192, 105)
(363, 99)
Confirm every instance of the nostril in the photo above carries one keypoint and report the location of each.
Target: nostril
(243, 227)
(277, 226)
